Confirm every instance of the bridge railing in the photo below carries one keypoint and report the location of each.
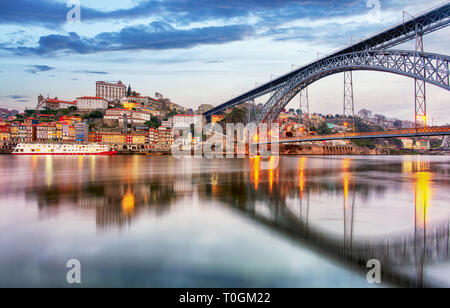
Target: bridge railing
(400, 132)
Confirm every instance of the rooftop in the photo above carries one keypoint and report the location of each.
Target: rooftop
(90, 97)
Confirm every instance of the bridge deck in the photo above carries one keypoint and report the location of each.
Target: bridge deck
(420, 132)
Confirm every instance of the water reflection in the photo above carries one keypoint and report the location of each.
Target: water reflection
(313, 199)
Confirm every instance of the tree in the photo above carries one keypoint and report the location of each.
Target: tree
(364, 143)
(380, 117)
(129, 91)
(362, 127)
(73, 108)
(365, 113)
(154, 122)
(96, 114)
(324, 129)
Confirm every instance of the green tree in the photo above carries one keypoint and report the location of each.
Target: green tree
(154, 122)
(364, 143)
(96, 114)
(324, 129)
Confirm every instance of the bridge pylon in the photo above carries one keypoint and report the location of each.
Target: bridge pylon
(349, 105)
(304, 107)
(419, 86)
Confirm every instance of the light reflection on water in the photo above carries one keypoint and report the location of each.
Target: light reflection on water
(157, 221)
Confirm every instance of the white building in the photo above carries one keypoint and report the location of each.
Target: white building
(87, 103)
(110, 91)
(132, 117)
(183, 121)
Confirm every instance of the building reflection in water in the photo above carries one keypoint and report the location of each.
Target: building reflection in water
(118, 192)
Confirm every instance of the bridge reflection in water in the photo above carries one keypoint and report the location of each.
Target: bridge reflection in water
(429, 243)
(325, 204)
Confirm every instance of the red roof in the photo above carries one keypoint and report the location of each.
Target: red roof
(60, 101)
(46, 115)
(184, 115)
(90, 97)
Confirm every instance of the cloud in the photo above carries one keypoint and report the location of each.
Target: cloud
(91, 72)
(213, 61)
(239, 19)
(155, 36)
(51, 13)
(34, 69)
(17, 97)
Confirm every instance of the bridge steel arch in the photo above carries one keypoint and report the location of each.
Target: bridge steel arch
(429, 67)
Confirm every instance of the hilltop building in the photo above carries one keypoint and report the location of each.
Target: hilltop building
(110, 91)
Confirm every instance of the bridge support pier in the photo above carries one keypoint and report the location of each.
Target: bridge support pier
(304, 107)
(420, 86)
(349, 106)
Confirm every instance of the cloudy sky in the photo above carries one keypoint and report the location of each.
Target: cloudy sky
(201, 51)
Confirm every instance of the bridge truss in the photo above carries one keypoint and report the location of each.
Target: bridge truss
(428, 67)
(419, 26)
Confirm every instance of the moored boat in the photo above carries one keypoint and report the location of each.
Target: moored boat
(62, 149)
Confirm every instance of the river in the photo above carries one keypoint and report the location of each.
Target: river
(141, 221)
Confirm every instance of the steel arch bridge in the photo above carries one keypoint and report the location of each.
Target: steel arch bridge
(428, 67)
(416, 66)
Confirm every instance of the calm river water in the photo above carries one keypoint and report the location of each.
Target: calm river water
(141, 221)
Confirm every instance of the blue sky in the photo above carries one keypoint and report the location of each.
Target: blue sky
(203, 51)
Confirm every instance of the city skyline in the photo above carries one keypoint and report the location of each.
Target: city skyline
(200, 53)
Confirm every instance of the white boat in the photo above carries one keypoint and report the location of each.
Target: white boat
(62, 149)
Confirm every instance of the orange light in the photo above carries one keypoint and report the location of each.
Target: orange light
(128, 203)
(422, 118)
(423, 195)
(345, 124)
(256, 138)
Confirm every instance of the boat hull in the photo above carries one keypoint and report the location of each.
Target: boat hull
(108, 153)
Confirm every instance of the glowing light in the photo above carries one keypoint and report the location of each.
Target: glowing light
(256, 138)
(422, 197)
(128, 203)
(271, 180)
(256, 167)
(301, 178)
(346, 180)
(407, 166)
